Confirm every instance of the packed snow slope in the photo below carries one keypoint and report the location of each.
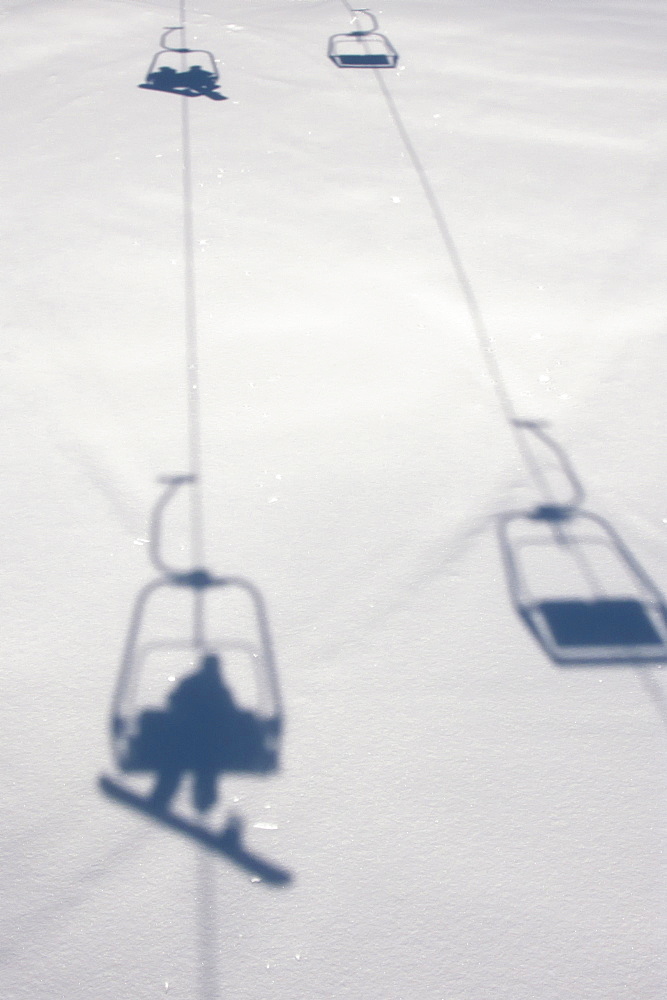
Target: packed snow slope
(463, 820)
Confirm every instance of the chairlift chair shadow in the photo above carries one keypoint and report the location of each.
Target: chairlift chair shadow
(580, 590)
(576, 584)
(184, 71)
(137, 745)
(365, 48)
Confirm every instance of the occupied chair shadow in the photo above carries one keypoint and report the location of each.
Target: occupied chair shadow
(169, 725)
(183, 75)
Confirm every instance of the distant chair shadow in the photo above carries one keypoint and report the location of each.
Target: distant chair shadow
(575, 583)
(365, 48)
(200, 731)
(188, 81)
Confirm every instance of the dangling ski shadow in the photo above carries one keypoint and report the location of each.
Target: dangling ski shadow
(189, 79)
(575, 583)
(199, 730)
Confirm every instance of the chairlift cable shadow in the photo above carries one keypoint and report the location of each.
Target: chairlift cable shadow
(625, 627)
(481, 332)
(201, 728)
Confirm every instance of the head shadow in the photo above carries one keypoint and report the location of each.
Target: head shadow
(572, 579)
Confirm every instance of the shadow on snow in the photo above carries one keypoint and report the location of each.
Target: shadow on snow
(183, 76)
(168, 725)
(574, 582)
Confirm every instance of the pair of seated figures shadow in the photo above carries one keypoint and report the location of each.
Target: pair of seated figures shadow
(193, 82)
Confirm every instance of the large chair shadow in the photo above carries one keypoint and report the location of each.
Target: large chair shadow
(576, 584)
(194, 727)
(193, 74)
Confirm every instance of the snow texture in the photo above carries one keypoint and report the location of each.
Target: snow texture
(463, 819)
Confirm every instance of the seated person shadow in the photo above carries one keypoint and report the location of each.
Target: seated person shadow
(198, 80)
(202, 732)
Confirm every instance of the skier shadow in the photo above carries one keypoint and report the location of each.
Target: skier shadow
(572, 579)
(202, 732)
(193, 82)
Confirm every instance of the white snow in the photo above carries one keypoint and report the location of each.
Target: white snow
(463, 819)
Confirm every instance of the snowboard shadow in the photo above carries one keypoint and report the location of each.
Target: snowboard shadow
(228, 842)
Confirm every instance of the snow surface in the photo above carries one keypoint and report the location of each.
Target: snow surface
(463, 820)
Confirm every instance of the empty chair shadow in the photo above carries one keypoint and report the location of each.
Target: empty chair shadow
(576, 584)
(365, 47)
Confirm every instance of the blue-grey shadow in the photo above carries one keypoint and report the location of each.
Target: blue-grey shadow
(365, 48)
(575, 583)
(184, 71)
(198, 729)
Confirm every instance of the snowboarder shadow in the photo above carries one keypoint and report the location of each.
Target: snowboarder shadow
(202, 732)
(199, 730)
(193, 82)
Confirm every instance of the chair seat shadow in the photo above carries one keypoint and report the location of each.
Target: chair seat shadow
(603, 622)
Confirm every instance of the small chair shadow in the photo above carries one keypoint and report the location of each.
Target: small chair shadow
(365, 47)
(192, 79)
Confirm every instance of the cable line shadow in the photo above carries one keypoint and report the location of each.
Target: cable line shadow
(191, 706)
(575, 583)
(183, 76)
